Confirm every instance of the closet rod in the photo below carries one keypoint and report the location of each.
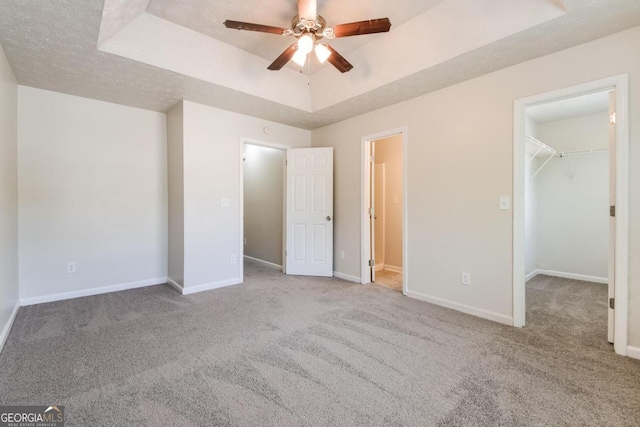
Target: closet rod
(588, 150)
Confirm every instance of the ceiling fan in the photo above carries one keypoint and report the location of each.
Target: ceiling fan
(310, 28)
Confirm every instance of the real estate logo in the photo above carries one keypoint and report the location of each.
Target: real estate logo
(32, 416)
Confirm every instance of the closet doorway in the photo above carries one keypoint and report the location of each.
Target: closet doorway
(569, 241)
(263, 188)
(384, 211)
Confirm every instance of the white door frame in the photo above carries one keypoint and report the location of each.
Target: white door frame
(365, 199)
(621, 84)
(276, 146)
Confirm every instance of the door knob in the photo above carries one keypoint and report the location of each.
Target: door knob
(328, 218)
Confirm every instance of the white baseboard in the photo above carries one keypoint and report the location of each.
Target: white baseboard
(346, 277)
(531, 275)
(485, 314)
(393, 268)
(92, 291)
(574, 276)
(263, 262)
(188, 290)
(7, 328)
(175, 285)
(633, 352)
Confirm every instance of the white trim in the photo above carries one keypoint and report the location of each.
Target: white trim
(474, 311)
(379, 267)
(92, 291)
(574, 276)
(621, 85)
(365, 240)
(393, 268)
(7, 328)
(264, 263)
(633, 352)
(531, 275)
(210, 286)
(346, 277)
(175, 285)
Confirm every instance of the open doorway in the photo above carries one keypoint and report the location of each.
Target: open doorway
(567, 199)
(569, 241)
(263, 183)
(384, 210)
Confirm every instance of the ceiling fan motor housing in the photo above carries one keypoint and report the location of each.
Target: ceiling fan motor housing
(300, 27)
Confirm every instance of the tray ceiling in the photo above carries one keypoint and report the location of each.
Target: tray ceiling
(125, 51)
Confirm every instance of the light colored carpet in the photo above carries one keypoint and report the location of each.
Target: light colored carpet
(389, 279)
(296, 351)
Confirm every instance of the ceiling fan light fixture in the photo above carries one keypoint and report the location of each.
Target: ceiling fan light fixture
(305, 44)
(299, 57)
(322, 52)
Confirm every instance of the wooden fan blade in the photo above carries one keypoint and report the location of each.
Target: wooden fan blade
(237, 25)
(363, 27)
(307, 9)
(283, 58)
(338, 61)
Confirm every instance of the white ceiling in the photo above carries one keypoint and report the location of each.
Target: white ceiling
(207, 16)
(583, 105)
(53, 44)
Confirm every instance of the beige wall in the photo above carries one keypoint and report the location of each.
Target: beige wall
(211, 168)
(460, 158)
(92, 179)
(576, 133)
(389, 152)
(175, 172)
(263, 202)
(8, 196)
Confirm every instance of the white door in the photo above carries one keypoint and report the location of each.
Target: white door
(612, 202)
(309, 216)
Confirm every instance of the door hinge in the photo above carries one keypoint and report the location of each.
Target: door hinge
(285, 253)
(372, 263)
(372, 159)
(612, 303)
(612, 211)
(286, 162)
(371, 211)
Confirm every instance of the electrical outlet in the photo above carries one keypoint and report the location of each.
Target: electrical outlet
(466, 279)
(71, 267)
(233, 259)
(341, 254)
(225, 203)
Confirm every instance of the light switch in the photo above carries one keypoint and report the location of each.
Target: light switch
(225, 203)
(505, 203)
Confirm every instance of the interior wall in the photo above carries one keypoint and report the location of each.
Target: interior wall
(263, 203)
(212, 149)
(175, 172)
(389, 152)
(576, 133)
(572, 195)
(92, 182)
(573, 215)
(8, 196)
(460, 162)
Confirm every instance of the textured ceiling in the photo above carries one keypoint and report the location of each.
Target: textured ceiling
(52, 44)
(592, 103)
(207, 16)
